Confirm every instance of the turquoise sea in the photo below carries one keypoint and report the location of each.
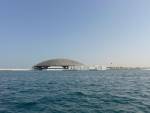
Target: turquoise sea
(110, 91)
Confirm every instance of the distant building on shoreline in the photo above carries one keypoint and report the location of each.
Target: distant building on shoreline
(65, 64)
(58, 64)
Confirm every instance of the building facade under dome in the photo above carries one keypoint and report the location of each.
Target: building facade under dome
(58, 64)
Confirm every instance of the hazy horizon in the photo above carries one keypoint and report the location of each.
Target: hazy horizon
(90, 31)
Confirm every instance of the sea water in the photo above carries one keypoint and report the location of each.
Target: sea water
(110, 91)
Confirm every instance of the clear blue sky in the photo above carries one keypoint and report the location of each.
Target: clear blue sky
(91, 31)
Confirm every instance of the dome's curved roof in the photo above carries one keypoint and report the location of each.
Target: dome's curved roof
(59, 62)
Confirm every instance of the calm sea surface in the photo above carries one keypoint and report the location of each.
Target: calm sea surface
(110, 91)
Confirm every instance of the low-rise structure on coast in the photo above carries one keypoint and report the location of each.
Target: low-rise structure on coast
(58, 64)
(65, 64)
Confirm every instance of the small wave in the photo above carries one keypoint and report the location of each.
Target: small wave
(26, 104)
(78, 93)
